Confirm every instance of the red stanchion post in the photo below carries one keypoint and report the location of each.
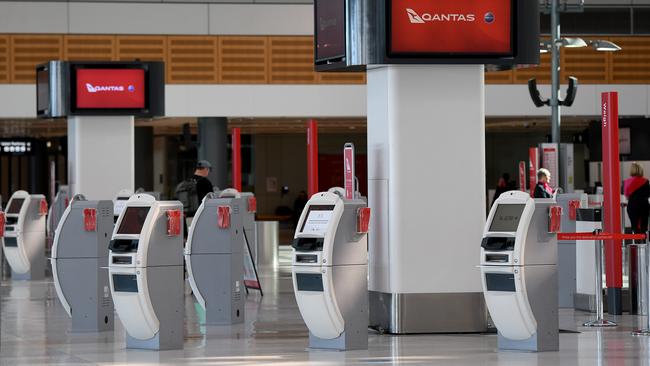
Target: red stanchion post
(312, 157)
(236, 158)
(612, 202)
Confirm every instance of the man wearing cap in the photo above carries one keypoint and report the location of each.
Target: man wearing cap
(203, 184)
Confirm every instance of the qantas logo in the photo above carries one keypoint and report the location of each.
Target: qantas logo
(108, 88)
(416, 18)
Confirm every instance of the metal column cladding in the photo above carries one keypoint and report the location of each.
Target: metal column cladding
(612, 189)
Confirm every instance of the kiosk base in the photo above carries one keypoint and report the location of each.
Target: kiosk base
(220, 278)
(166, 288)
(342, 343)
(36, 271)
(532, 344)
(87, 290)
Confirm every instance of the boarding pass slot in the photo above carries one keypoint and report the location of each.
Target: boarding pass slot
(122, 260)
(497, 258)
(309, 258)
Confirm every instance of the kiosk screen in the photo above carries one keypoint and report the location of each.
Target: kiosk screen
(506, 218)
(133, 220)
(318, 217)
(15, 206)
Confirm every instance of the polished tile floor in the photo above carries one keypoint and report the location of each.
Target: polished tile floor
(35, 331)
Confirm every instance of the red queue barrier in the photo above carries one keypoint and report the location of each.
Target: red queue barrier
(600, 236)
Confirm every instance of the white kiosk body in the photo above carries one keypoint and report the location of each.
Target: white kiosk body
(79, 258)
(330, 272)
(146, 273)
(519, 273)
(24, 240)
(214, 257)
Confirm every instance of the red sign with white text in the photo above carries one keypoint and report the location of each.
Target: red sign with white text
(463, 27)
(348, 170)
(533, 165)
(110, 89)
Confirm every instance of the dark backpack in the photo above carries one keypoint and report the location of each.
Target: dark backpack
(187, 194)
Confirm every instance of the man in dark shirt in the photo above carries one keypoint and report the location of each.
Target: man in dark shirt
(203, 184)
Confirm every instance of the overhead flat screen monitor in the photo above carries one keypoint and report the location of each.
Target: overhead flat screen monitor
(330, 29)
(15, 206)
(133, 220)
(317, 220)
(507, 217)
(451, 28)
(119, 88)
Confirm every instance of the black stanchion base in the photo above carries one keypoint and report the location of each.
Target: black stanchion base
(614, 301)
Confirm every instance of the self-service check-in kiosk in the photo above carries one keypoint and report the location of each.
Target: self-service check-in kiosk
(214, 257)
(24, 236)
(519, 272)
(146, 272)
(330, 271)
(79, 258)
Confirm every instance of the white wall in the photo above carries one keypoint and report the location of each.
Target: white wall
(18, 101)
(155, 18)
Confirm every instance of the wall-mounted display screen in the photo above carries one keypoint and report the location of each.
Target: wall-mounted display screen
(110, 88)
(317, 219)
(506, 217)
(133, 220)
(330, 29)
(452, 28)
(15, 205)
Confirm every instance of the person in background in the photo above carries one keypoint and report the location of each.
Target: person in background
(203, 184)
(504, 185)
(637, 190)
(543, 188)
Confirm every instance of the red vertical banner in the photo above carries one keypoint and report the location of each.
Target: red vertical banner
(533, 165)
(522, 176)
(312, 157)
(612, 190)
(236, 158)
(348, 170)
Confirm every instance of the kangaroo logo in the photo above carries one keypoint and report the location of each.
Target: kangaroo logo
(90, 88)
(414, 17)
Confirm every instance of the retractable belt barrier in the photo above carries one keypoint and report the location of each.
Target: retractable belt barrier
(599, 237)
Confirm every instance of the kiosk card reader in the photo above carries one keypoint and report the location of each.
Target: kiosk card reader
(24, 237)
(146, 272)
(214, 257)
(330, 270)
(519, 272)
(79, 257)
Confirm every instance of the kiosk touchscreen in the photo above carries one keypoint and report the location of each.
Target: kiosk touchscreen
(79, 258)
(519, 273)
(146, 272)
(214, 257)
(330, 271)
(24, 237)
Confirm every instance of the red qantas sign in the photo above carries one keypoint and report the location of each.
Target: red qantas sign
(451, 27)
(110, 89)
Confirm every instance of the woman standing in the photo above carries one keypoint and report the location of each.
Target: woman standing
(637, 190)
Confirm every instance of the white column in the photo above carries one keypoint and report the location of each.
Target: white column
(426, 172)
(100, 156)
